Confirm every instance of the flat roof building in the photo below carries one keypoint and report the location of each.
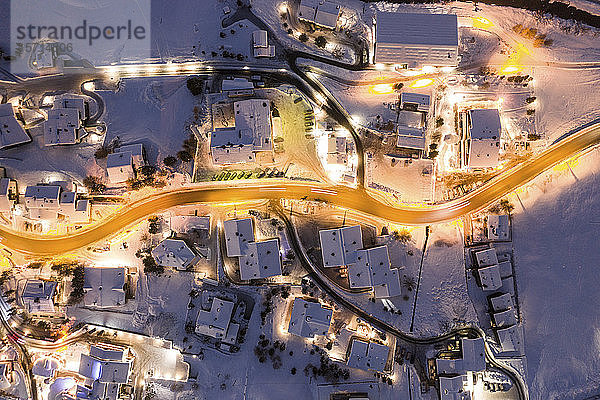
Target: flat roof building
(415, 102)
(323, 13)
(416, 40)
(501, 302)
(252, 133)
(63, 127)
(410, 138)
(368, 356)
(473, 359)
(11, 131)
(8, 194)
(340, 246)
(137, 153)
(260, 44)
(42, 196)
(238, 234)
(373, 269)
(174, 253)
(497, 227)
(119, 167)
(309, 319)
(504, 319)
(490, 277)
(486, 257)
(483, 132)
(104, 287)
(510, 339)
(216, 322)
(262, 260)
(38, 296)
(453, 388)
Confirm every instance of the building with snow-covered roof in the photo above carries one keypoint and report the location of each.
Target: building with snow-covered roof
(105, 369)
(501, 302)
(119, 167)
(497, 227)
(260, 44)
(262, 260)
(216, 322)
(368, 356)
(372, 269)
(486, 257)
(188, 223)
(38, 296)
(104, 287)
(323, 13)
(238, 234)
(410, 138)
(8, 194)
(489, 277)
(510, 339)
(416, 40)
(472, 359)
(309, 319)
(174, 253)
(339, 246)
(252, 133)
(504, 319)
(483, 131)
(453, 388)
(138, 156)
(42, 201)
(76, 210)
(415, 102)
(337, 152)
(11, 131)
(63, 127)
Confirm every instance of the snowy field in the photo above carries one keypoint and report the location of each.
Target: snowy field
(556, 227)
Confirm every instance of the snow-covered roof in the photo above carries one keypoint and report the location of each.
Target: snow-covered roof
(410, 138)
(42, 196)
(38, 296)
(70, 101)
(174, 253)
(422, 101)
(486, 257)
(490, 277)
(320, 12)
(505, 269)
(120, 166)
(385, 280)
(497, 227)
(114, 353)
(473, 354)
(417, 29)
(430, 39)
(268, 51)
(339, 246)
(215, 323)
(510, 338)
(368, 356)
(359, 273)
(501, 302)
(45, 367)
(238, 234)
(187, 223)
(309, 319)
(485, 123)
(259, 38)
(505, 318)
(137, 153)
(63, 126)
(11, 131)
(103, 287)
(453, 388)
(254, 115)
(252, 132)
(262, 260)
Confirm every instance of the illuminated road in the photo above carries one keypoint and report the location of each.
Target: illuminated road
(356, 199)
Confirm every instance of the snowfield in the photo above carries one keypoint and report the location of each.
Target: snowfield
(555, 236)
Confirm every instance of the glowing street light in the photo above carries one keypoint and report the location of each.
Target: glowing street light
(381, 88)
(421, 83)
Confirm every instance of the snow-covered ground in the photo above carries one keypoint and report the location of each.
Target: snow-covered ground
(555, 234)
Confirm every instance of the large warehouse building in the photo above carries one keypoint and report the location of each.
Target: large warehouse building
(416, 40)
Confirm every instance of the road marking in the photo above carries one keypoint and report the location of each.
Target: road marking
(266, 189)
(324, 191)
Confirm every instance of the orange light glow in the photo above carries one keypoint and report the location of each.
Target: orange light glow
(421, 83)
(482, 23)
(381, 88)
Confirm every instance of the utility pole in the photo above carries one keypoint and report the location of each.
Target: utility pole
(344, 221)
